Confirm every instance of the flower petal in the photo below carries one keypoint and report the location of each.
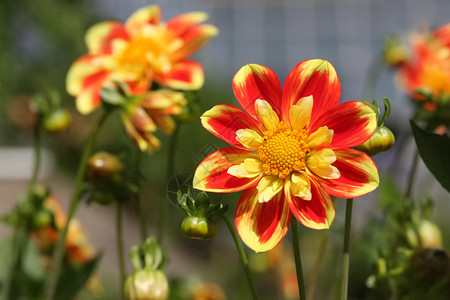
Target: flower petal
(146, 141)
(352, 123)
(98, 37)
(262, 226)
(268, 187)
(300, 113)
(85, 72)
(301, 185)
(88, 100)
(359, 174)
(254, 82)
(251, 167)
(212, 173)
(317, 213)
(319, 162)
(140, 119)
(321, 137)
(314, 77)
(146, 15)
(170, 101)
(267, 115)
(250, 139)
(194, 39)
(182, 23)
(184, 75)
(225, 120)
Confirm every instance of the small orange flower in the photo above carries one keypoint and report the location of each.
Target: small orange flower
(145, 115)
(78, 247)
(141, 51)
(428, 69)
(292, 150)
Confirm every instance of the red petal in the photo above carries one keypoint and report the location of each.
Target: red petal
(194, 39)
(224, 120)
(317, 213)
(352, 122)
(254, 82)
(211, 174)
(314, 77)
(100, 36)
(184, 75)
(262, 226)
(359, 174)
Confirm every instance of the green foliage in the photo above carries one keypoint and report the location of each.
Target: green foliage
(435, 152)
(74, 277)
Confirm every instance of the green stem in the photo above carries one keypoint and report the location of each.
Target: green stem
(320, 253)
(169, 173)
(37, 159)
(120, 252)
(412, 176)
(138, 195)
(17, 235)
(346, 252)
(58, 252)
(242, 255)
(298, 259)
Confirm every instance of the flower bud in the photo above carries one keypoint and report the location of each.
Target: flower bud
(56, 121)
(429, 234)
(41, 219)
(381, 141)
(199, 227)
(394, 52)
(103, 166)
(147, 284)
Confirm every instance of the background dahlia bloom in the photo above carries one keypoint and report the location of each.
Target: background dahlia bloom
(141, 51)
(78, 247)
(144, 115)
(428, 69)
(291, 150)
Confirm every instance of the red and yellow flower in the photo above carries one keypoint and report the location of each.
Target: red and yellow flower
(142, 50)
(78, 247)
(428, 69)
(143, 116)
(291, 150)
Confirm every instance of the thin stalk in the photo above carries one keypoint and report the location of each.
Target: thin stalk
(242, 255)
(317, 264)
(138, 195)
(298, 259)
(120, 252)
(18, 232)
(412, 175)
(346, 252)
(37, 159)
(58, 252)
(169, 172)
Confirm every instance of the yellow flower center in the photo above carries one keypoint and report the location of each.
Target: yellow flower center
(283, 151)
(144, 53)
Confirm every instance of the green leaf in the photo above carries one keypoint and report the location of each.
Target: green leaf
(435, 152)
(73, 279)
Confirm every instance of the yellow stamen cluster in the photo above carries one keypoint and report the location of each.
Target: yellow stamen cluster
(144, 53)
(283, 151)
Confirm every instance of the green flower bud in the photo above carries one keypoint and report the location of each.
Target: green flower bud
(56, 121)
(42, 218)
(381, 141)
(199, 227)
(103, 166)
(429, 234)
(146, 284)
